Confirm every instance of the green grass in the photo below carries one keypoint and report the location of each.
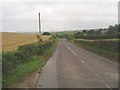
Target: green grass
(99, 39)
(108, 52)
(19, 71)
(23, 70)
(110, 55)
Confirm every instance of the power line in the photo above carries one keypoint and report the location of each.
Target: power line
(38, 15)
(30, 6)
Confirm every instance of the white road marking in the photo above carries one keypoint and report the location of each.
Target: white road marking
(71, 50)
(74, 53)
(89, 68)
(108, 86)
(82, 61)
(96, 74)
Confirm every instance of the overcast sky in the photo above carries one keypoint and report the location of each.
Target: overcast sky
(58, 15)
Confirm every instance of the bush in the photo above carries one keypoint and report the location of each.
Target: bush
(105, 45)
(102, 47)
(46, 33)
(96, 36)
(11, 60)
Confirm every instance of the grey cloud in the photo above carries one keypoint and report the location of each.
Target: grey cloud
(58, 16)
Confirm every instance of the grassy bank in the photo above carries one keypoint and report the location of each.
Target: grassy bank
(105, 48)
(26, 60)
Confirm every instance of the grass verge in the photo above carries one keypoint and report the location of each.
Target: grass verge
(16, 65)
(101, 48)
(21, 71)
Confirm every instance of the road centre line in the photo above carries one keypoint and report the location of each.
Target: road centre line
(96, 74)
(71, 50)
(74, 52)
(108, 86)
(82, 61)
(68, 47)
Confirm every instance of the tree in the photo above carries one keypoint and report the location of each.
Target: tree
(110, 30)
(77, 35)
(92, 32)
(116, 29)
(100, 31)
(84, 31)
(46, 33)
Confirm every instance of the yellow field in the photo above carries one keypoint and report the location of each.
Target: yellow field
(11, 41)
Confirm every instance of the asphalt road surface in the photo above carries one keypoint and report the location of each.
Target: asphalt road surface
(73, 67)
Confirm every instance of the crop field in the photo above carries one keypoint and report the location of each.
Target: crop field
(11, 41)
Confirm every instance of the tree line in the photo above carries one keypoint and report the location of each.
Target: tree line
(106, 33)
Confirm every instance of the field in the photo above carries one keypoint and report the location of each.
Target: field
(11, 41)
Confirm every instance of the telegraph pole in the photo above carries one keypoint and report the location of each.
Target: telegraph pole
(39, 25)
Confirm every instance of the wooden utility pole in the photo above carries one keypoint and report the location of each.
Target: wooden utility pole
(39, 25)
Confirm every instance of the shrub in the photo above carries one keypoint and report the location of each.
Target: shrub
(96, 36)
(25, 53)
(106, 48)
(46, 33)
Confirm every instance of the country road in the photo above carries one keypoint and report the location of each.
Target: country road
(73, 67)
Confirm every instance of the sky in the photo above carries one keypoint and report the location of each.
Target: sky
(57, 15)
